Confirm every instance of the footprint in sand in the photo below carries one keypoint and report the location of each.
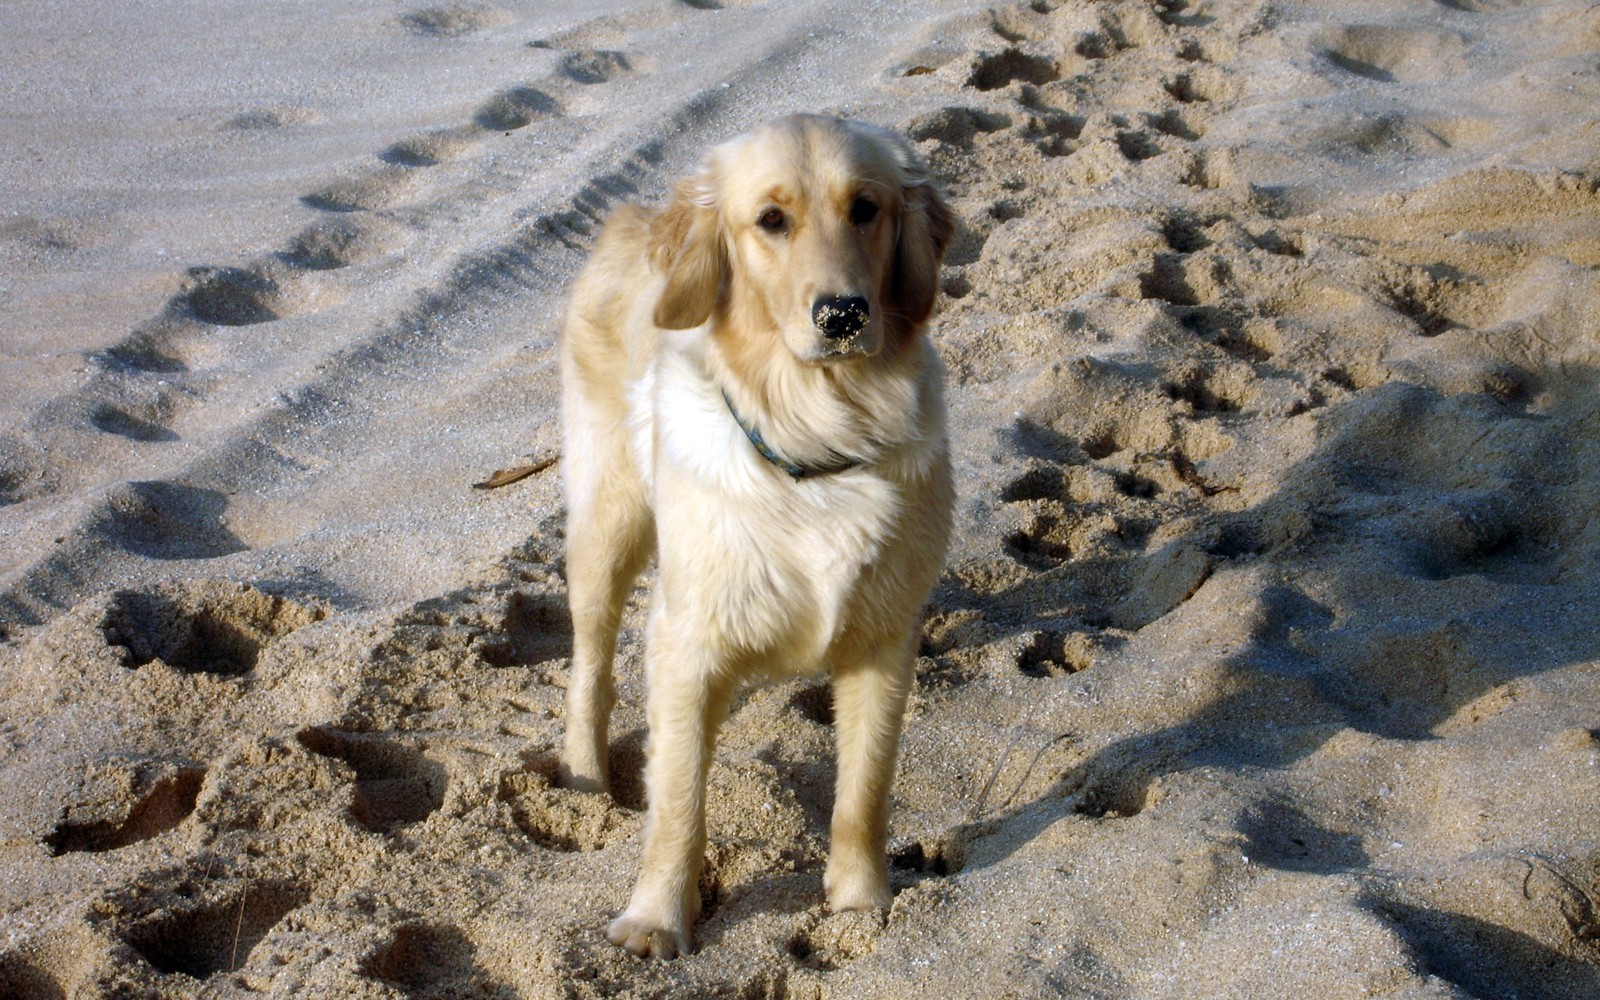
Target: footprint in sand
(1183, 234)
(143, 422)
(125, 801)
(591, 66)
(1055, 133)
(1054, 653)
(1194, 51)
(1389, 54)
(949, 136)
(265, 290)
(429, 149)
(941, 855)
(1177, 125)
(1206, 391)
(1012, 65)
(1017, 24)
(401, 174)
(203, 626)
(1278, 242)
(1182, 14)
(210, 925)
(344, 242)
(1044, 539)
(1437, 299)
(161, 346)
(560, 819)
(265, 119)
(1051, 653)
(430, 959)
(165, 520)
(367, 191)
(455, 20)
(535, 628)
(23, 472)
(1199, 85)
(1101, 44)
(515, 108)
(830, 942)
(241, 296)
(1115, 789)
(1138, 144)
(1213, 170)
(1232, 330)
(1182, 279)
(395, 784)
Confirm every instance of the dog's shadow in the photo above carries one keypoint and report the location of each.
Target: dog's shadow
(625, 769)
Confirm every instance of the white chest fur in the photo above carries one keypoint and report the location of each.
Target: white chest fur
(761, 563)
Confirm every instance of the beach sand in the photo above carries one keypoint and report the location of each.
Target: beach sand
(1267, 660)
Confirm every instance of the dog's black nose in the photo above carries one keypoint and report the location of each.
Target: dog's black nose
(840, 315)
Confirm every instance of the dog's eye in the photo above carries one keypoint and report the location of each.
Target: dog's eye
(771, 220)
(863, 211)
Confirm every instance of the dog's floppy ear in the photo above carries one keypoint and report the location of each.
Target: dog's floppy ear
(685, 245)
(926, 229)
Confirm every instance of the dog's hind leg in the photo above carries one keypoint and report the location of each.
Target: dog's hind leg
(610, 537)
(869, 699)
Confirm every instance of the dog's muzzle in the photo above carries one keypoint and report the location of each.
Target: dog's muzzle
(840, 316)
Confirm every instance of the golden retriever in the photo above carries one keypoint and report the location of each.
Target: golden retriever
(747, 394)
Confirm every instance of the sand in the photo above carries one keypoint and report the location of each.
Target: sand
(1267, 660)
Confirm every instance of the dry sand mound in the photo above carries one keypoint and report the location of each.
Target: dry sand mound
(1266, 664)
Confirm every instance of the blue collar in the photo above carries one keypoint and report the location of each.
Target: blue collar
(794, 471)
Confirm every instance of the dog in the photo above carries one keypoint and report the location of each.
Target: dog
(749, 397)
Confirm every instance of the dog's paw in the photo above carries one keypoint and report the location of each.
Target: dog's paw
(582, 774)
(862, 892)
(648, 937)
(580, 781)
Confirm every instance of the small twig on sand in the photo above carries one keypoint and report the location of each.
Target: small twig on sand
(977, 807)
(505, 477)
(238, 924)
(988, 786)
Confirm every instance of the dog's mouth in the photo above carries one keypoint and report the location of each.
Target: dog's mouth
(839, 348)
(807, 346)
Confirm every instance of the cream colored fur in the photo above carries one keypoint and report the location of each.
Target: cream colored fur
(761, 575)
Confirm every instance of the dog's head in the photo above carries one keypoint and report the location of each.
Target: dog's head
(826, 231)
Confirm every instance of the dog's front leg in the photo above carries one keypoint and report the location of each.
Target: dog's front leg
(688, 698)
(869, 698)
